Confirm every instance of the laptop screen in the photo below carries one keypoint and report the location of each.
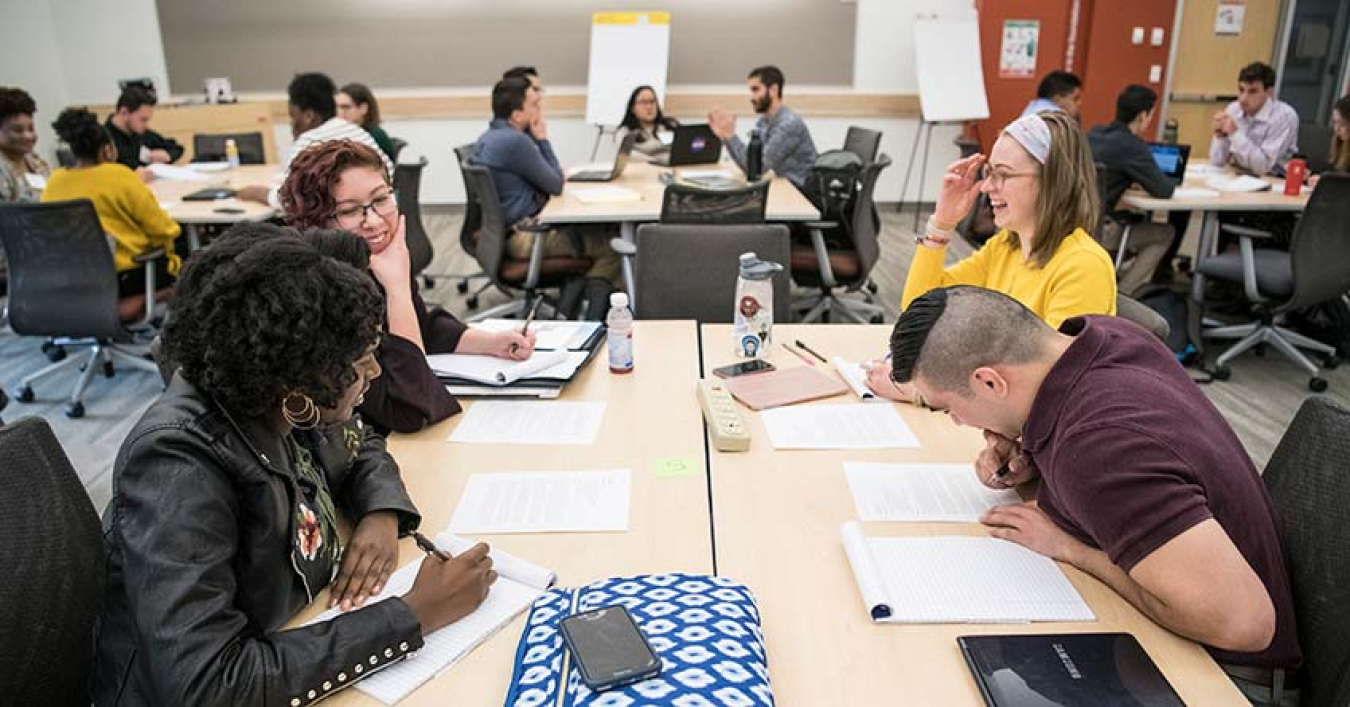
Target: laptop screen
(1170, 159)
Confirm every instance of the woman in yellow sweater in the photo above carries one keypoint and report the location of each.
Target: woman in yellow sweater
(127, 209)
(1041, 183)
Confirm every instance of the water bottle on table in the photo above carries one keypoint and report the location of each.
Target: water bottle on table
(232, 153)
(620, 334)
(752, 322)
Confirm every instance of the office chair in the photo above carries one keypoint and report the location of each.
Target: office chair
(1313, 271)
(1123, 219)
(1143, 315)
(846, 267)
(522, 279)
(53, 549)
(689, 271)
(399, 144)
(62, 283)
(863, 142)
(1314, 144)
(472, 220)
(690, 204)
(211, 147)
(408, 191)
(1310, 491)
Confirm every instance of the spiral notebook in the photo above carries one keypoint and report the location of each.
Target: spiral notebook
(519, 583)
(958, 580)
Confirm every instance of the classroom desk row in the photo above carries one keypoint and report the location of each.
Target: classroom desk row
(766, 518)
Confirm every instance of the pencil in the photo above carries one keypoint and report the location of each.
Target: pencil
(799, 354)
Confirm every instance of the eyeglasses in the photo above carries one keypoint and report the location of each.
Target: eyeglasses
(645, 102)
(353, 215)
(997, 178)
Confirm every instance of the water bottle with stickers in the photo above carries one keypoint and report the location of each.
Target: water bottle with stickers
(752, 322)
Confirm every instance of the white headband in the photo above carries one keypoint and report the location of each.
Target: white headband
(1032, 134)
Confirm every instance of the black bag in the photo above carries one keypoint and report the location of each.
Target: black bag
(1328, 323)
(1183, 321)
(584, 299)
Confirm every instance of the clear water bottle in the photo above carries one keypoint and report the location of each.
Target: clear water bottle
(752, 322)
(620, 335)
(232, 153)
(754, 158)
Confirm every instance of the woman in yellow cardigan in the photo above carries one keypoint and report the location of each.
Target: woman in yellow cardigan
(127, 209)
(1041, 183)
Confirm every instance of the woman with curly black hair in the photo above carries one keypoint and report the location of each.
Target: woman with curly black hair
(126, 207)
(342, 184)
(223, 522)
(22, 172)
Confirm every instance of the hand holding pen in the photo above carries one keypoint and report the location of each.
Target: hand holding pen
(449, 587)
(1002, 464)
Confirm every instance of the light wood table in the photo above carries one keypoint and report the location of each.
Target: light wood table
(785, 203)
(192, 214)
(777, 518)
(1209, 208)
(651, 415)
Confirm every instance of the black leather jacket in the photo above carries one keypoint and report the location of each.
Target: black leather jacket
(198, 542)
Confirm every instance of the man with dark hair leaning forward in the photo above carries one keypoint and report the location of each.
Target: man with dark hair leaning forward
(1142, 483)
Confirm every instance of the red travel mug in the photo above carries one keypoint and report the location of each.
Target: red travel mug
(1294, 174)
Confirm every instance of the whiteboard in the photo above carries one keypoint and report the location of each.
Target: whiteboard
(628, 49)
(951, 76)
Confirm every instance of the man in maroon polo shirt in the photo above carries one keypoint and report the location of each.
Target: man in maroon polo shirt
(1142, 483)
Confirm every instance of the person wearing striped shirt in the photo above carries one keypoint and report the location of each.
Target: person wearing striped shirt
(313, 109)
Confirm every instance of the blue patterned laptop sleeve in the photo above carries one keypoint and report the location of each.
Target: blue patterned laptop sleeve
(705, 629)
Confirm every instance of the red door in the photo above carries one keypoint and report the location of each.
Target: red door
(1113, 61)
(1008, 95)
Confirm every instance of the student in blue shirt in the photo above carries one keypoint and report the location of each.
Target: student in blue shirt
(1058, 91)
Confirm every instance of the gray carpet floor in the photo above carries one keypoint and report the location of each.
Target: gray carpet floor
(1259, 400)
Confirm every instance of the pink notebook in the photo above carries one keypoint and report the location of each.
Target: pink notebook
(784, 386)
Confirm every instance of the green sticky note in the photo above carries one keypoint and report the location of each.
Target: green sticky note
(679, 466)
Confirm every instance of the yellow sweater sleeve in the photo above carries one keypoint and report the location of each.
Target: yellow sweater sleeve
(926, 272)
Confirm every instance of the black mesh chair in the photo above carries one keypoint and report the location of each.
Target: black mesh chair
(521, 279)
(1313, 271)
(847, 267)
(62, 283)
(690, 204)
(863, 142)
(211, 147)
(473, 220)
(1310, 490)
(399, 144)
(1110, 217)
(689, 271)
(52, 549)
(408, 190)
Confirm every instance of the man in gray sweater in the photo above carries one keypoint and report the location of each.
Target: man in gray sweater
(788, 149)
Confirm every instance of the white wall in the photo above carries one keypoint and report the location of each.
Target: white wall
(73, 51)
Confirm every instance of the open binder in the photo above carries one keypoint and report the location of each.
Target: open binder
(561, 349)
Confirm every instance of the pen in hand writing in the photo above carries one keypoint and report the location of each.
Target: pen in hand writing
(528, 319)
(430, 548)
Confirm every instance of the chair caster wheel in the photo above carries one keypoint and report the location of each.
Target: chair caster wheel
(54, 353)
(1317, 385)
(428, 283)
(877, 319)
(462, 287)
(1331, 362)
(471, 303)
(75, 410)
(108, 369)
(1222, 373)
(872, 287)
(25, 394)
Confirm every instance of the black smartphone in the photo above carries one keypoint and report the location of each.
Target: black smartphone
(754, 365)
(609, 648)
(228, 210)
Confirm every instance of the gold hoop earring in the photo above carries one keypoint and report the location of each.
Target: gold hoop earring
(306, 418)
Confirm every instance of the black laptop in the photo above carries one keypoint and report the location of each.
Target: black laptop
(1171, 160)
(607, 175)
(692, 144)
(1097, 669)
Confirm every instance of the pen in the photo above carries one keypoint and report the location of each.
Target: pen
(430, 548)
(528, 318)
(807, 349)
(800, 355)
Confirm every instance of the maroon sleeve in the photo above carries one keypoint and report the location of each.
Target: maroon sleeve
(407, 396)
(1126, 490)
(441, 330)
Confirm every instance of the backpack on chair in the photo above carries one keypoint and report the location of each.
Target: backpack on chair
(836, 179)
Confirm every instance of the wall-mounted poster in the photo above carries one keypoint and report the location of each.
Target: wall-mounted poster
(1228, 17)
(1017, 58)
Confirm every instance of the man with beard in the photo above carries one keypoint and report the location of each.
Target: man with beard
(788, 149)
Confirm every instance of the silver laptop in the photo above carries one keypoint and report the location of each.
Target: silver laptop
(620, 162)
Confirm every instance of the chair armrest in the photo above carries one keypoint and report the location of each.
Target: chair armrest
(1246, 232)
(823, 258)
(820, 225)
(530, 225)
(148, 256)
(623, 247)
